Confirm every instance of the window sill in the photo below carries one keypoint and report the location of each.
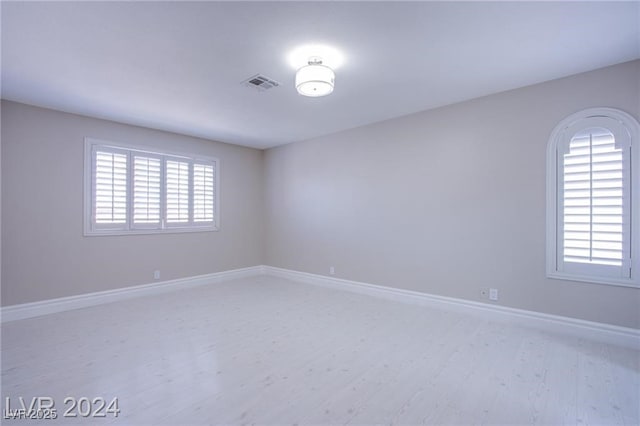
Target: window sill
(620, 282)
(106, 232)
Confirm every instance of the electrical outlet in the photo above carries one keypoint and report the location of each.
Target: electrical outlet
(332, 270)
(493, 294)
(156, 274)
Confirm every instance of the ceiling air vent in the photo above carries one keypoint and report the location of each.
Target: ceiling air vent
(260, 82)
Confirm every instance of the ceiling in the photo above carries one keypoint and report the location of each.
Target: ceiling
(178, 66)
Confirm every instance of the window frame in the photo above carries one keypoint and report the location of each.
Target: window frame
(129, 228)
(561, 135)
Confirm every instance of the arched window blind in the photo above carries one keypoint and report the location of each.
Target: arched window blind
(590, 234)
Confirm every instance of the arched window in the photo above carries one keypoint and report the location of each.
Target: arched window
(593, 188)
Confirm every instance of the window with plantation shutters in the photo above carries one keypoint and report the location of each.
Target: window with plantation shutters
(131, 190)
(591, 235)
(177, 190)
(109, 204)
(146, 191)
(593, 199)
(203, 192)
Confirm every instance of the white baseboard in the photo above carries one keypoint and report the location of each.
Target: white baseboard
(35, 309)
(622, 336)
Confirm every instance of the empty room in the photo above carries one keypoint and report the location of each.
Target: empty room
(322, 213)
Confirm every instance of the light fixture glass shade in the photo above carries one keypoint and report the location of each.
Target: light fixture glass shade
(315, 80)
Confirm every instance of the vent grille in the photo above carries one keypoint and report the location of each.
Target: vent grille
(260, 82)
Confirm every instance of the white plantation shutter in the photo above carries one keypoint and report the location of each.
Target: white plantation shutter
(146, 190)
(177, 190)
(203, 192)
(592, 207)
(593, 199)
(131, 190)
(110, 188)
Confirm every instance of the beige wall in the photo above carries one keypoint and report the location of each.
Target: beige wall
(447, 201)
(45, 254)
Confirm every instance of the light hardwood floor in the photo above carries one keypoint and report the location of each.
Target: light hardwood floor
(269, 351)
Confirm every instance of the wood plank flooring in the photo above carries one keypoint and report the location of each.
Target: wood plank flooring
(269, 351)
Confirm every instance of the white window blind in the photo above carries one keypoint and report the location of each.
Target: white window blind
(203, 192)
(133, 190)
(591, 233)
(177, 189)
(146, 189)
(110, 187)
(593, 199)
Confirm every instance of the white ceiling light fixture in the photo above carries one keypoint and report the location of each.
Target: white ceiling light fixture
(315, 79)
